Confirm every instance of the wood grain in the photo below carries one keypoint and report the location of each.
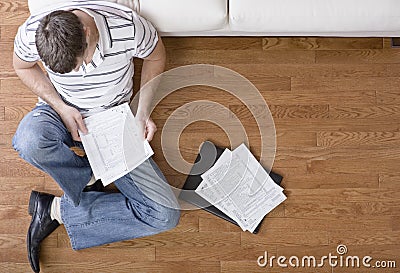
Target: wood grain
(334, 102)
(315, 43)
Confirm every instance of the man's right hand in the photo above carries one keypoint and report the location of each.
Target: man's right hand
(73, 120)
(33, 77)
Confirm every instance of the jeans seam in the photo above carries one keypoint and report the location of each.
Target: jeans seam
(99, 221)
(64, 216)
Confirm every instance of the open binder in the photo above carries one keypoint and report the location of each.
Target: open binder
(208, 155)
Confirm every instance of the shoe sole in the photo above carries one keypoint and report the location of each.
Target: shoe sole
(32, 202)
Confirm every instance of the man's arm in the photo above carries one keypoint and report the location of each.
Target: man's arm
(153, 65)
(33, 77)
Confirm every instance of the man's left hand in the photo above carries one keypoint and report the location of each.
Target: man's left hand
(148, 127)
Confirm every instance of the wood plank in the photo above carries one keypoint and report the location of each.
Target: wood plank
(365, 237)
(286, 138)
(287, 238)
(322, 154)
(342, 195)
(284, 111)
(6, 138)
(15, 267)
(18, 226)
(210, 253)
(171, 239)
(309, 97)
(330, 181)
(13, 255)
(364, 112)
(389, 181)
(300, 111)
(7, 6)
(350, 210)
(316, 70)
(8, 32)
(14, 92)
(387, 96)
(219, 57)
(15, 18)
(214, 224)
(357, 56)
(329, 223)
(340, 83)
(241, 266)
(314, 125)
(57, 255)
(6, 55)
(12, 212)
(13, 198)
(320, 43)
(212, 43)
(357, 139)
(387, 43)
(9, 127)
(13, 166)
(396, 223)
(9, 241)
(16, 113)
(373, 165)
(124, 266)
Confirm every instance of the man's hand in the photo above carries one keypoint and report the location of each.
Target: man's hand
(34, 78)
(73, 121)
(147, 127)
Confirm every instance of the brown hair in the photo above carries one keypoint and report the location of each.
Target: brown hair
(60, 40)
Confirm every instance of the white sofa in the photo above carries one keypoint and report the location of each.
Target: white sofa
(351, 18)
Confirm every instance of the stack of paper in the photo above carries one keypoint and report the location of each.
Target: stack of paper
(240, 187)
(114, 145)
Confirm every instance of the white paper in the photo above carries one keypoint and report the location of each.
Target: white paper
(113, 144)
(241, 188)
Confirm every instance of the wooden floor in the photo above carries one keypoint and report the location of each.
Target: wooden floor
(336, 107)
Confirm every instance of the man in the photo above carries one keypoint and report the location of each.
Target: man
(87, 49)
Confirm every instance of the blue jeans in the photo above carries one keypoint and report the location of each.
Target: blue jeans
(145, 204)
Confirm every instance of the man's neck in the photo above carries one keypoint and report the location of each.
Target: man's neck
(93, 33)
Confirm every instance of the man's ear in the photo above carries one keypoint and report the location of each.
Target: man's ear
(86, 30)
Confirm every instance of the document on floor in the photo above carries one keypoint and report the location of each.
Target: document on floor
(113, 143)
(240, 187)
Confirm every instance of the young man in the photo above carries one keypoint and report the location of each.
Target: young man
(87, 49)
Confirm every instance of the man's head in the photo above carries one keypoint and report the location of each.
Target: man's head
(60, 41)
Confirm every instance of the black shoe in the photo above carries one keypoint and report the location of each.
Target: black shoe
(41, 225)
(97, 186)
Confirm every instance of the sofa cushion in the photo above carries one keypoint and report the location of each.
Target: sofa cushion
(172, 16)
(314, 16)
(185, 15)
(36, 6)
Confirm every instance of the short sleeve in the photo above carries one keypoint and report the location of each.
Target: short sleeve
(145, 35)
(24, 44)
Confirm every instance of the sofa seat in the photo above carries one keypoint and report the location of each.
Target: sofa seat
(344, 18)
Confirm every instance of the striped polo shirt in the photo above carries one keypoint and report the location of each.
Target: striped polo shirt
(107, 80)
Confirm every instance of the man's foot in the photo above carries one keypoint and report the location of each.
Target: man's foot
(41, 225)
(96, 186)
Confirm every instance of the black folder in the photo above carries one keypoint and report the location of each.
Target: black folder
(208, 155)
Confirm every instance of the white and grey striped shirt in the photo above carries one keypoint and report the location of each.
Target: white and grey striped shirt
(107, 80)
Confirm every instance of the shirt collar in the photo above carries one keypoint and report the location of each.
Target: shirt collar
(98, 55)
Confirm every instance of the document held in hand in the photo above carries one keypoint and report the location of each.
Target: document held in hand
(240, 187)
(113, 144)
